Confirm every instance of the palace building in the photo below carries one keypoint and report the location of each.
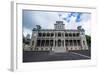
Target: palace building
(58, 39)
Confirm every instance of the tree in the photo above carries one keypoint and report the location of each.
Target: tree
(27, 39)
(88, 39)
(28, 36)
(23, 39)
(38, 27)
(79, 27)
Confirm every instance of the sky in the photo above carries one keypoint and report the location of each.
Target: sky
(47, 20)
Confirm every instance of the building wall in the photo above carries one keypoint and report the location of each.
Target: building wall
(69, 40)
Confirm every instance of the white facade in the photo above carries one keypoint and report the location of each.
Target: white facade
(58, 39)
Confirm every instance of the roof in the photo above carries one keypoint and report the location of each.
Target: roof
(59, 22)
(58, 30)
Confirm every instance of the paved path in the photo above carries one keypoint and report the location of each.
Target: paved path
(80, 55)
(37, 57)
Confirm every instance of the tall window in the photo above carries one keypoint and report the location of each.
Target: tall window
(51, 42)
(77, 34)
(44, 34)
(75, 43)
(73, 34)
(78, 42)
(59, 42)
(84, 42)
(52, 34)
(55, 34)
(43, 42)
(55, 42)
(39, 34)
(62, 42)
(32, 42)
(71, 43)
(38, 42)
(59, 34)
(66, 34)
(47, 43)
(66, 42)
(70, 34)
(48, 34)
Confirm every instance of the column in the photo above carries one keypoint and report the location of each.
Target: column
(49, 43)
(53, 43)
(63, 43)
(40, 42)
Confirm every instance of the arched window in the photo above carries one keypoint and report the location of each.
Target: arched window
(71, 43)
(55, 42)
(44, 34)
(78, 41)
(70, 34)
(62, 42)
(83, 42)
(43, 42)
(66, 34)
(39, 34)
(52, 34)
(32, 42)
(66, 42)
(59, 34)
(47, 42)
(77, 34)
(75, 43)
(38, 42)
(59, 42)
(51, 42)
(48, 34)
(73, 34)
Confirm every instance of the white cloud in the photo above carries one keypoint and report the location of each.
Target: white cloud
(71, 24)
(87, 27)
(45, 19)
(27, 31)
(48, 19)
(85, 20)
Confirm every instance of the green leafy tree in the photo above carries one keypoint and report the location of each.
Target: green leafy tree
(26, 40)
(38, 27)
(23, 39)
(88, 38)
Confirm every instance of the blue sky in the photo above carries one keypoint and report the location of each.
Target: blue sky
(47, 20)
